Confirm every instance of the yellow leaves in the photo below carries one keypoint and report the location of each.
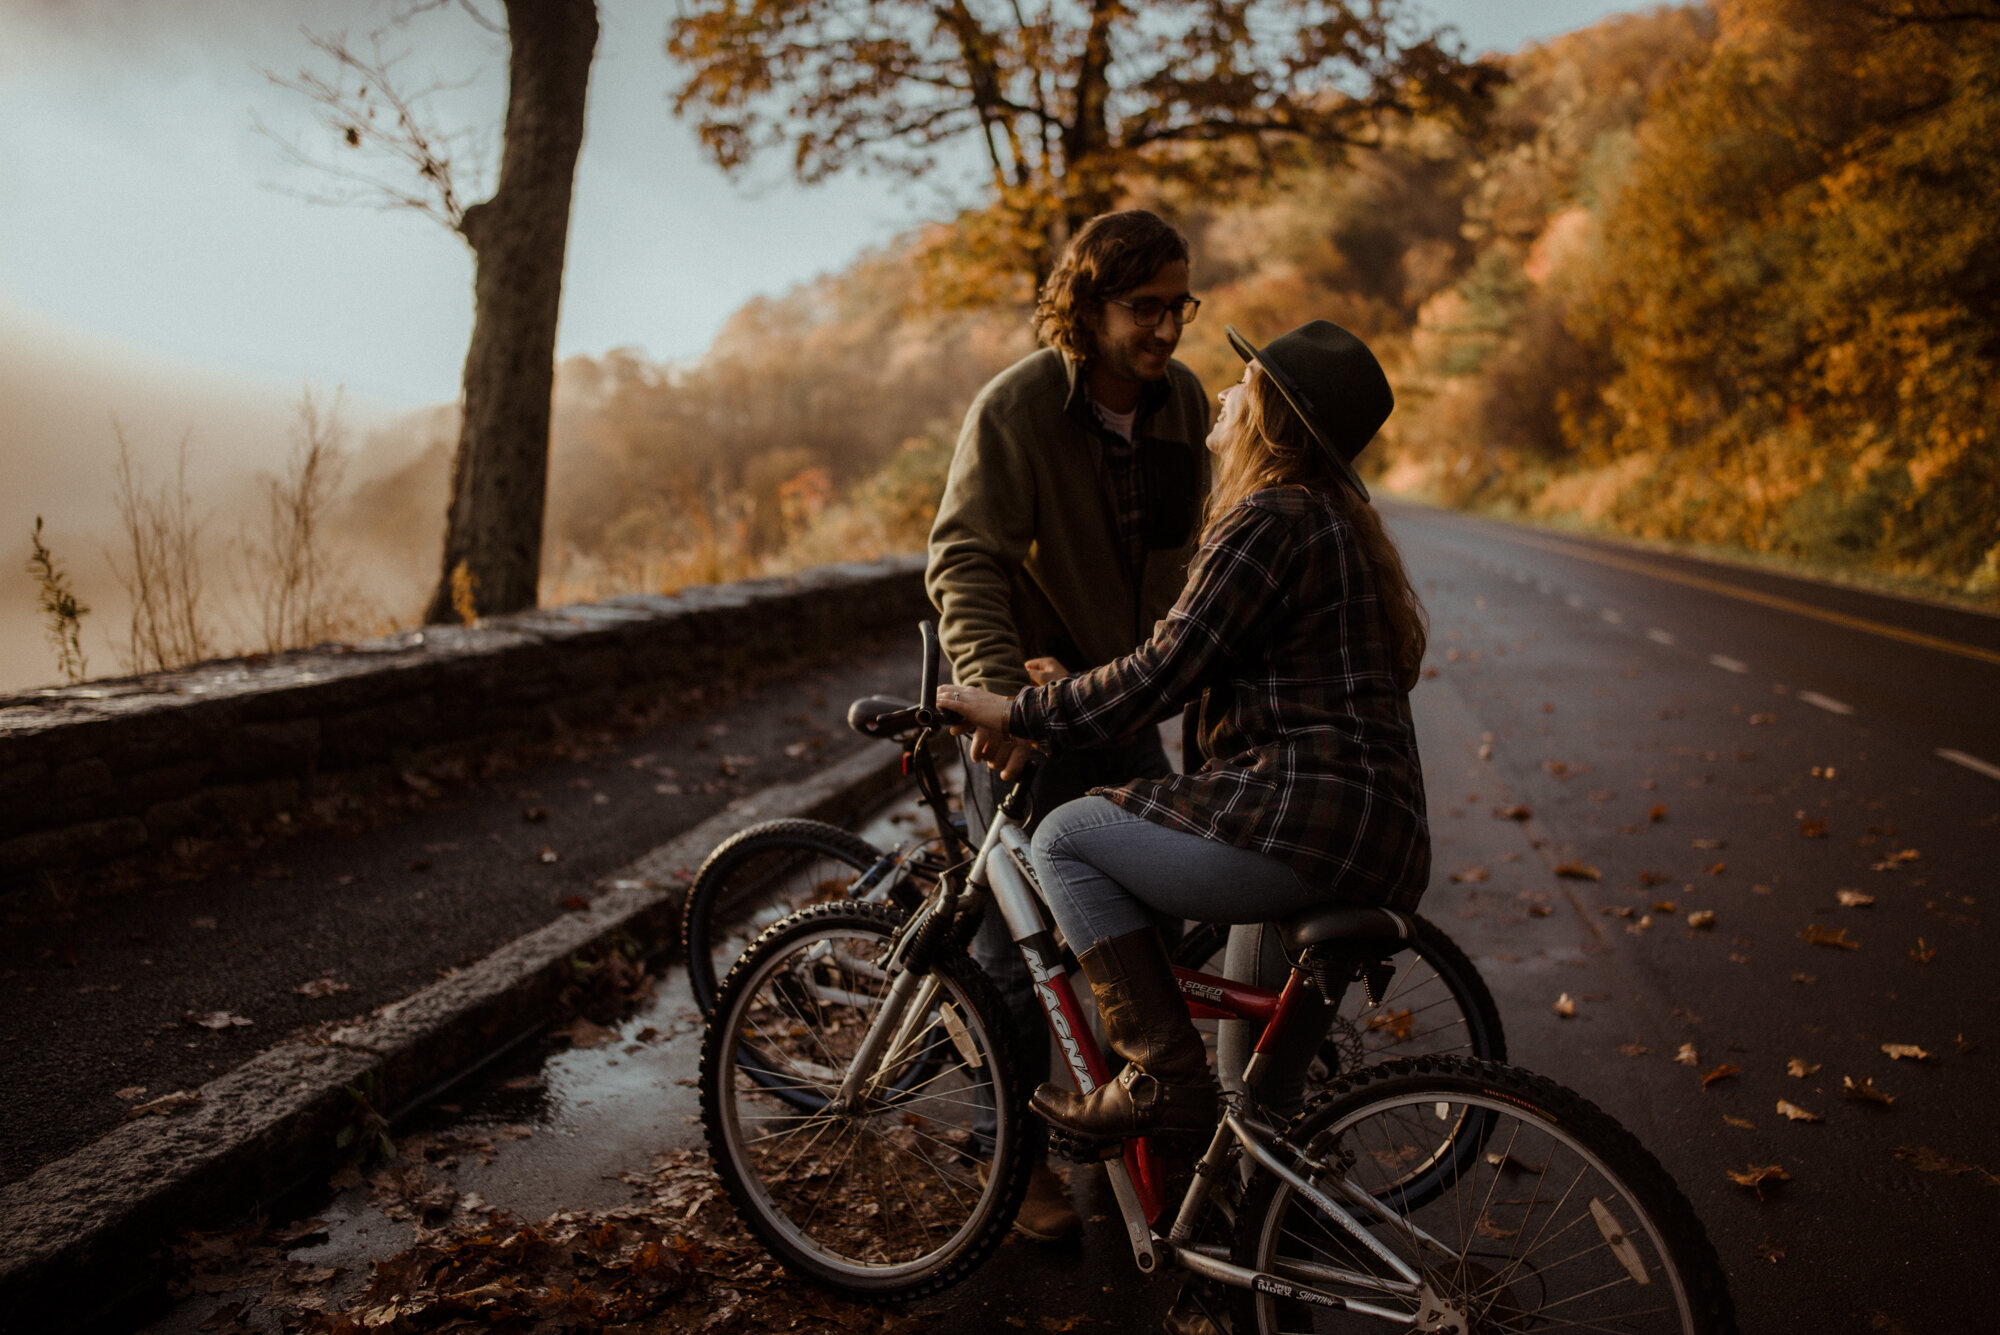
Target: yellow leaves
(1905, 1052)
(1799, 1068)
(1564, 1006)
(1793, 1112)
(1836, 938)
(1701, 919)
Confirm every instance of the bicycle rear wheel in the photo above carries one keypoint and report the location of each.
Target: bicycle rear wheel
(910, 1190)
(1562, 1221)
(1436, 1004)
(756, 877)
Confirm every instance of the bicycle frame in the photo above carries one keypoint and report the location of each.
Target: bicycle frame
(1001, 876)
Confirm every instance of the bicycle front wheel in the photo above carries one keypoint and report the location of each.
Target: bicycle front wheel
(756, 877)
(905, 1192)
(1562, 1221)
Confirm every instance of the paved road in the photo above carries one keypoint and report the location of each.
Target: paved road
(1697, 735)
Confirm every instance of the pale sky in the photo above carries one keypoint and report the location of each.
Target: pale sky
(141, 213)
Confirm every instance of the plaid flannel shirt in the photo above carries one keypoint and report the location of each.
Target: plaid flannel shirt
(1304, 741)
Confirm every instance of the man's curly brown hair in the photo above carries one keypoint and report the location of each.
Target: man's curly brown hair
(1112, 253)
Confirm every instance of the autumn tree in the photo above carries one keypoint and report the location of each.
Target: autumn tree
(518, 237)
(1063, 99)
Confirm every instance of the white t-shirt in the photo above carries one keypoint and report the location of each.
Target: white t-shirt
(1118, 422)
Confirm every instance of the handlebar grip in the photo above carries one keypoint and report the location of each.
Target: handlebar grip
(927, 695)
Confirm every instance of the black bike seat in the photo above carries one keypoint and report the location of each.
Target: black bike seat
(1344, 922)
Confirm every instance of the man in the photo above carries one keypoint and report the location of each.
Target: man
(1068, 520)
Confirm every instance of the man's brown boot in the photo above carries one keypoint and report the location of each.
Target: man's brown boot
(1046, 1214)
(1166, 1086)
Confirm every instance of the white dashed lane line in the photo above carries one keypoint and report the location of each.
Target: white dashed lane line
(1728, 664)
(1973, 763)
(1826, 702)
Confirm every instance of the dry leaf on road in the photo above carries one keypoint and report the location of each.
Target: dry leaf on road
(1851, 898)
(1797, 1114)
(1579, 871)
(582, 1033)
(1816, 935)
(1722, 1072)
(1563, 1006)
(1865, 1092)
(1927, 1160)
(1514, 813)
(165, 1105)
(1687, 1056)
(1799, 1068)
(216, 1019)
(1701, 918)
(1921, 953)
(323, 986)
(1905, 1052)
(1756, 1175)
(1633, 1049)
(1470, 875)
(1742, 1122)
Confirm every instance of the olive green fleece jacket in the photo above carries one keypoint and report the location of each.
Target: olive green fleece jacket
(1025, 555)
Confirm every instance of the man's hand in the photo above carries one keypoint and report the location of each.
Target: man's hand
(1042, 671)
(985, 716)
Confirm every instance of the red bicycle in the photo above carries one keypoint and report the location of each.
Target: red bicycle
(864, 1107)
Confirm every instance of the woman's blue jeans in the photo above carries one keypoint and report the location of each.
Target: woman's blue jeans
(1107, 872)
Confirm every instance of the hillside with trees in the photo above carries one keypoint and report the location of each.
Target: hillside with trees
(1720, 275)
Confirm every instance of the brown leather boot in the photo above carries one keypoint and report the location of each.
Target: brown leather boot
(1166, 1086)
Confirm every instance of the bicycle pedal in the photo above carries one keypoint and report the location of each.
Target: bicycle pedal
(1076, 1149)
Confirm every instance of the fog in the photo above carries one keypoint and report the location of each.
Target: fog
(61, 393)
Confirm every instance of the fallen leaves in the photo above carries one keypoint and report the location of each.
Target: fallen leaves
(1741, 1123)
(1793, 1112)
(1927, 1160)
(1865, 1092)
(165, 1105)
(1756, 1175)
(1513, 813)
(1657, 813)
(323, 986)
(1470, 875)
(1720, 1073)
(584, 1033)
(1905, 1052)
(1836, 937)
(1813, 828)
(1633, 1049)
(216, 1020)
(1578, 871)
(1799, 1068)
(1851, 898)
(1921, 953)
(1564, 1006)
(1687, 1056)
(1701, 919)
(1895, 860)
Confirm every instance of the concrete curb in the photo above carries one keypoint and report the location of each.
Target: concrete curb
(82, 1235)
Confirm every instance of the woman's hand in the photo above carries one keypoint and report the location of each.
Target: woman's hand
(985, 716)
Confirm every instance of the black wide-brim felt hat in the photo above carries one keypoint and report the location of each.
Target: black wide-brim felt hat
(1333, 382)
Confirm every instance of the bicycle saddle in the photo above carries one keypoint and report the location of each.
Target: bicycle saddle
(1344, 922)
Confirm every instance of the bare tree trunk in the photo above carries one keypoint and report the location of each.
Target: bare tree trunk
(500, 476)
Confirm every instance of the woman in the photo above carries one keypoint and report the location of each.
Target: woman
(1294, 648)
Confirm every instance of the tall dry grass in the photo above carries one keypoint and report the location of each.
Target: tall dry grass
(61, 610)
(163, 569)
(287, 565)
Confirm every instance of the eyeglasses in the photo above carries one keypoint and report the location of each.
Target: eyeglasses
(1147, 312)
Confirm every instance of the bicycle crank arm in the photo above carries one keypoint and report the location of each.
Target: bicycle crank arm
(1197, 1261)
(1145, 1247)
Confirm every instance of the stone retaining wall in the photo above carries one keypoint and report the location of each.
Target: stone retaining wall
(92, 772)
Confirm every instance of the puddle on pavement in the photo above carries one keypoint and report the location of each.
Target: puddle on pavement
(545, 1127)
